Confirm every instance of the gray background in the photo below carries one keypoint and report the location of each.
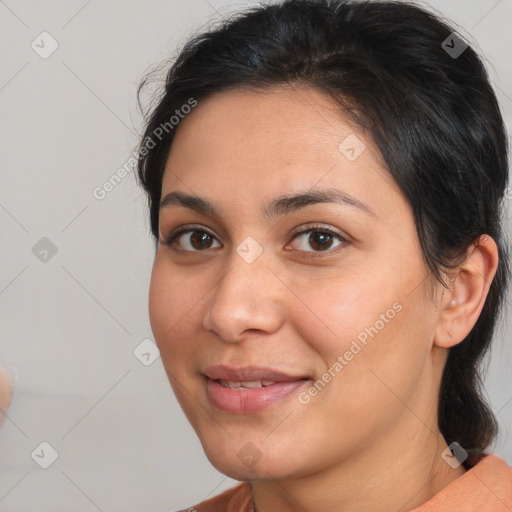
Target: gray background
(70, 323)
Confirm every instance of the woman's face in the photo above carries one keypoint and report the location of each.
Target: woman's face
(299, 264)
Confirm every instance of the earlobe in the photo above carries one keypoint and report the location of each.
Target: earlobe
(463, 302)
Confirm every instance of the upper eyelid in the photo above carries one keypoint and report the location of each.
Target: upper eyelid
(317, 227)
(298, 231)
(182, 230)
(186, 228)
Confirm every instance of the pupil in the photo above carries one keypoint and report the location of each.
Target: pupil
(200, 240)
(319, 240)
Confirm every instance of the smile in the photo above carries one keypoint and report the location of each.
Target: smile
(246, 385)
(249, 390)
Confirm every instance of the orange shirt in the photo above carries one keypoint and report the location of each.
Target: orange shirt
(486, 487)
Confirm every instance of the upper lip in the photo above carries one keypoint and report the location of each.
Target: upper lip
(248, 374)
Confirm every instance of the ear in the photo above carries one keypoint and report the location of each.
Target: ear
(463, 302)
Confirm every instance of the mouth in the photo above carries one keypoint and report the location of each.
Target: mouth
(247, 385)
(249, 390)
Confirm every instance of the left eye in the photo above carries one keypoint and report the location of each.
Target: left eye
(319, 240)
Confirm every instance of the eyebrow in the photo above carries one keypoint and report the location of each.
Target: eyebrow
(277, 207)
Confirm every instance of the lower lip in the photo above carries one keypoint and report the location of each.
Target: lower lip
(249, 401)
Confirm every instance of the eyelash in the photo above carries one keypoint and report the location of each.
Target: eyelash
(169, 241)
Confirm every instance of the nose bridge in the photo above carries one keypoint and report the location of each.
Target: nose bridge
(247, 297)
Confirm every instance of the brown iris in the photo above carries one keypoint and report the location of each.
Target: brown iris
(320, 240)
(200, 240)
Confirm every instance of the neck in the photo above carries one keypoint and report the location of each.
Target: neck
(399, 473)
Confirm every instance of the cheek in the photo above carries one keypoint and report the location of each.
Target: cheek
(174, 314)
(169, 298)
(364, 325)
(342, 307)
(166, 307)
(167, 318)
(160, 315)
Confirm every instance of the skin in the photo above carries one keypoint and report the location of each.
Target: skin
(369, 440)
(5, 392)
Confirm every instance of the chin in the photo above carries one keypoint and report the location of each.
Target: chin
(260, 471)
(248, 464)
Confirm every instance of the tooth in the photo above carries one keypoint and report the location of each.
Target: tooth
(267, 382)
(252, 384)
(229, 384)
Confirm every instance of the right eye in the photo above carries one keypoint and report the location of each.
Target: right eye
(192, 240)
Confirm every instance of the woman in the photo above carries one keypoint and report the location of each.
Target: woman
(325, 184)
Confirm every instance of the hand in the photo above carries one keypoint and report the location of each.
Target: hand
(6, 387)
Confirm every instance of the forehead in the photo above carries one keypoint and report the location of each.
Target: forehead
(283, 140)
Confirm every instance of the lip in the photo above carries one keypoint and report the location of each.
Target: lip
(248, 373)
(249, 401)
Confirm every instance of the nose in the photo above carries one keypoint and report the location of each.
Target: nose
(249, 299)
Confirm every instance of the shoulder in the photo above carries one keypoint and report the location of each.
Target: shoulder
(236, 499)
(486, 487)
